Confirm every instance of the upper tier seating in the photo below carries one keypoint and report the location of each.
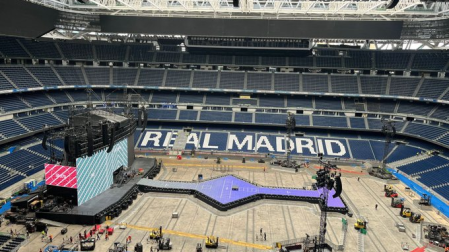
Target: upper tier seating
(71, 75)
(205, 79)
(10, 48)
(346, 84)
(19, 76)
(315, 83)
(110, 52)
(45, 75)
(124, 76)
(151, 77)
(77, 51)
(36, 122)
(389, 60)
(42, 49)
(373, 84)
(259, 81)
(9, 128)
(98, 76)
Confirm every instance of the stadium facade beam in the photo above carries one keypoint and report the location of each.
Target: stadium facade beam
(262, 9)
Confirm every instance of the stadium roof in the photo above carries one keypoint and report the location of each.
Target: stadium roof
(411, 10)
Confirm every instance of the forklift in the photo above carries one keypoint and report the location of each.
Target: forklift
(211, 242)
(360, 224)
(405, 212)
(416, 218)
(165, 244)
(388, 188)
(156, 234)
(391, 194)
(397, 203)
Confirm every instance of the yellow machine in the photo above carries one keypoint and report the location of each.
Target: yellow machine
(2, 202)
(405, 212)
(36, 205)
(211, 242)
(416, 217)
(360, 224)
(156, 234)
(388, 188)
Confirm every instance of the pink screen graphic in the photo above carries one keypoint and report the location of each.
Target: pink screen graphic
(58, 175)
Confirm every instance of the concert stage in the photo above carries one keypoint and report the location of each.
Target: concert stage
(230, 191)
(109, 203)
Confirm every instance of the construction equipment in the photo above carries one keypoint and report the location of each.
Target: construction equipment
(211, 242)
(360, 224)
(416, 217)
(391, 194)
(405, 212)
(156, 234)
(425, 200)
(388, 188)
(397, 203)
(2, 202)
(165, 244)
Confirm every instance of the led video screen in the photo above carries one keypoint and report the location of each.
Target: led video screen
(95, 173)
(58, 175)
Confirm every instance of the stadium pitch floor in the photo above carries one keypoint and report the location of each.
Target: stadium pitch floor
(239, 228)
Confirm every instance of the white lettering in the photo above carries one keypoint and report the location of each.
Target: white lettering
(308, 145)
(281, 142)
(248, 141)
(320, 146)
(170, 138)
(266, 144)
(193, 139)
(331, 152)
(151, 136)
(206, 142)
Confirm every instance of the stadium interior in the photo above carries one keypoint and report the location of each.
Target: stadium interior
(252, 97)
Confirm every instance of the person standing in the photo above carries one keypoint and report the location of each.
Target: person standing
(376, 206)
(265, 236)
(260, 231)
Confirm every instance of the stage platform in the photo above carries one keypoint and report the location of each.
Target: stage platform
(94, 210)
(229, 191)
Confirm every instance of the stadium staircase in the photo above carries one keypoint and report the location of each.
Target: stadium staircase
(51, 98)
(57, 74)
(70, 97)
(21, 125)
(438, 138)
(25, 101)
(181, 140)
(57, 118)
(9, 80)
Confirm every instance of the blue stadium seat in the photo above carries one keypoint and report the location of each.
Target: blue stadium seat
(178, 78)
(205, 79)
(151, 77)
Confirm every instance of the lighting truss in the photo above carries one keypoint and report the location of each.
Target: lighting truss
(279, 9)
